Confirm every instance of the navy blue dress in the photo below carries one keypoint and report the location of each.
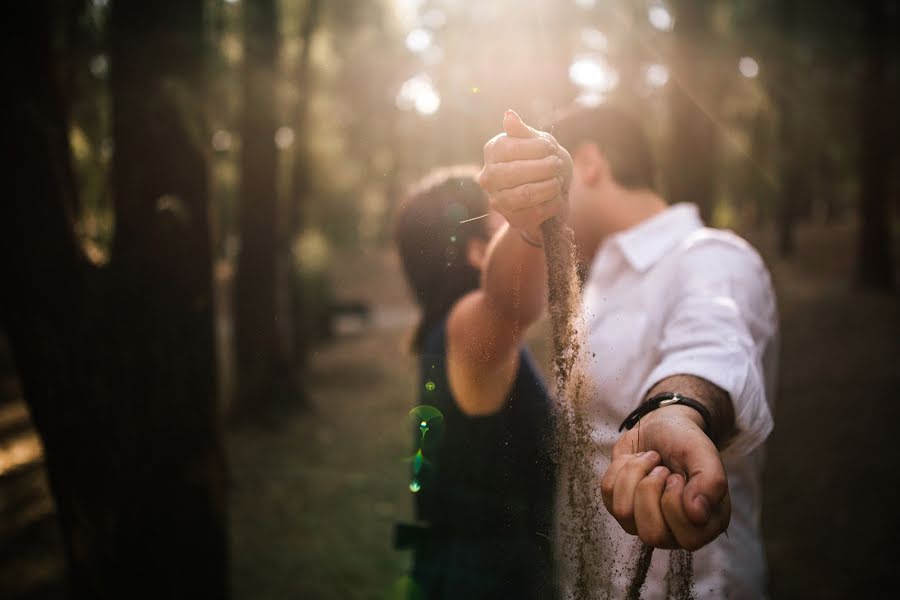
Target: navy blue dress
(487, 488)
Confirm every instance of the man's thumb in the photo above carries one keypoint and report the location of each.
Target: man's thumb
(706, 486)
(515, 127)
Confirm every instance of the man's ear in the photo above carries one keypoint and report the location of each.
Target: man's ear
(476, 252)
(590, 164)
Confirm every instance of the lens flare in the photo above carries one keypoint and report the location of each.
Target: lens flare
(429, 422)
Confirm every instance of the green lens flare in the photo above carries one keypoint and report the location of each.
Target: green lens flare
(424, 412)
(430, 386)
(429, 422)
(418, 460)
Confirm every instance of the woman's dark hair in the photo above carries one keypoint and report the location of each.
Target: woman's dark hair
(432, 242)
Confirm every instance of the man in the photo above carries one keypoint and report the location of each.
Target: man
(682, 321)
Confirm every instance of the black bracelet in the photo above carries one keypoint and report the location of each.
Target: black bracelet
(665, 400)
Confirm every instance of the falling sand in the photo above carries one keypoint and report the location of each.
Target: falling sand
(581, 533)
(583, 539)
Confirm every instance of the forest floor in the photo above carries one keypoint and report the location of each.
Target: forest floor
(315, 495)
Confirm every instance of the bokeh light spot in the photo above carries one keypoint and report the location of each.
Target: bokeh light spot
(656, 75)
(418, 40)
(660, 18)
(99, 66)
(430, 386)
(284, 137)
(748, 67)
(593, 72)
(418, 93)
(221, 140)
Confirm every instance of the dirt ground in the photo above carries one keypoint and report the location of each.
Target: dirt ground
(314, 496)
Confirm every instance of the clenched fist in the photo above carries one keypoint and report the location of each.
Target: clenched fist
(526, 174)
(666, 483)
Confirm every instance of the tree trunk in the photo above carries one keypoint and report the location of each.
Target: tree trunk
(874, 264)
(162, 292)
(117, 365)
(264, 374)
(301, 321)
(784, 95)
(691, 143)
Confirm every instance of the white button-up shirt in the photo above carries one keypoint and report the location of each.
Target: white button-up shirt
(667, 297)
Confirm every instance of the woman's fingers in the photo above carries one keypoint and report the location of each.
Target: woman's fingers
(649, 521)
(625, 486)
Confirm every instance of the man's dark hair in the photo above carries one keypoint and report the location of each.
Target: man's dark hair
(433, 243)
(619, 137)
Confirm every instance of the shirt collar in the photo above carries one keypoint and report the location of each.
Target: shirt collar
(647, 242)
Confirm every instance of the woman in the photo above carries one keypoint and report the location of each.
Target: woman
(484, 480)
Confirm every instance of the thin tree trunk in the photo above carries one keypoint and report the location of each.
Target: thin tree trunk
(117, 365)
(874, 265)
(784, 95)
(300, 184)
(264, 375)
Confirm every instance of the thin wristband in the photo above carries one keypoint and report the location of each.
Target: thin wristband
(666, 399)
(529, 241)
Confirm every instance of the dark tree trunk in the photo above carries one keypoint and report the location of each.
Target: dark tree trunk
(264, 374)
(791, 188)
(301, 320)
(45, 303)
(784, 94)
(691, 143)
(117, 365)
(874, 265)
(162, 292)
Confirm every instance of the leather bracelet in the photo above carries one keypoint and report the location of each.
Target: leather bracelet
(666, 399)
(530, 241)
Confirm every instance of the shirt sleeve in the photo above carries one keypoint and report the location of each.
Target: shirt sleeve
(717, 327)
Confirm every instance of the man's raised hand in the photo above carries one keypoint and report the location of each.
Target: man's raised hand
(526, 175)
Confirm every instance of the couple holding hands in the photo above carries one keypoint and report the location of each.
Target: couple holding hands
(681, 321)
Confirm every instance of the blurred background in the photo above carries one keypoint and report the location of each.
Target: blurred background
(203, 383)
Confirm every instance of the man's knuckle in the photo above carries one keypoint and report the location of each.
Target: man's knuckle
(484, 179)
(623, 509)
(526, 193)
(607, 485)
(718, 485)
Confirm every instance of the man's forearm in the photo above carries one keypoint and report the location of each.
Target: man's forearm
(514, 278)
(716, 400)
